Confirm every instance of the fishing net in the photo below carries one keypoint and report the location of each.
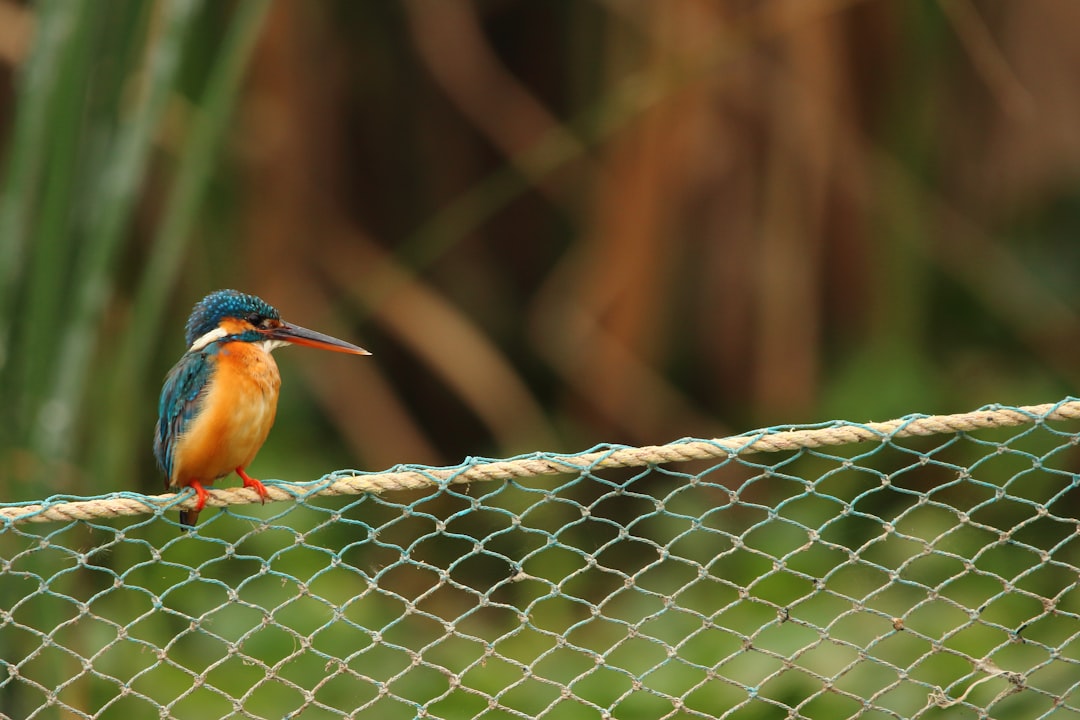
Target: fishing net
(923, 568)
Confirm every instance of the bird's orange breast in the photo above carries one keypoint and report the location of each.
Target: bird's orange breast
(234, 417)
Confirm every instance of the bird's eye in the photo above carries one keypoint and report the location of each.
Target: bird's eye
(253, 318)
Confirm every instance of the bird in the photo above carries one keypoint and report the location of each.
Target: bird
(219, 401)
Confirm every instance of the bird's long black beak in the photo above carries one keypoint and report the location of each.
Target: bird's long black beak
(297, 335)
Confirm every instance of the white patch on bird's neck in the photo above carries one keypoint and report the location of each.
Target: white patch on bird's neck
(215, 334)
(271, 345)
(219, 333)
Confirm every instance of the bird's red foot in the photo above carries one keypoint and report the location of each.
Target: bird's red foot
(200, 494)
(250, 482)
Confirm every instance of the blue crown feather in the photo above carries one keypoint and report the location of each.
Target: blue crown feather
(215, 307)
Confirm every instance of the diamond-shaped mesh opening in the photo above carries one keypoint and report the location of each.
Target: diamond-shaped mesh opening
(906, 577)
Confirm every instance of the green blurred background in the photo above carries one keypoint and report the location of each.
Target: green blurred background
(555, 223)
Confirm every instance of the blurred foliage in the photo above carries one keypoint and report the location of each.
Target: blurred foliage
(555, 223)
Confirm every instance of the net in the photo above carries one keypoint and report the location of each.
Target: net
(924, 568)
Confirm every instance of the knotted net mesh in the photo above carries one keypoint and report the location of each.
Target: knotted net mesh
(905, 576)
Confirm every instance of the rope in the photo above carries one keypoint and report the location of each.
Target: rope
(539, 464)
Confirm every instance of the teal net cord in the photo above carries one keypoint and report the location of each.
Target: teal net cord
(922, 568)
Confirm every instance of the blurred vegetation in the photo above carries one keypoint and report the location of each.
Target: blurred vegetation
(554, 223)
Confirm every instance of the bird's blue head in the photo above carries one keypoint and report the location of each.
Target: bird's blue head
(233, 316)
(208, 313)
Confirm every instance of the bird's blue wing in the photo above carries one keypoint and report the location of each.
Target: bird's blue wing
(181, 400)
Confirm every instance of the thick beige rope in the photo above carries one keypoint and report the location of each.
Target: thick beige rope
(543, 464)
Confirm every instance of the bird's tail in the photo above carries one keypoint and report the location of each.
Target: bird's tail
(188, 518)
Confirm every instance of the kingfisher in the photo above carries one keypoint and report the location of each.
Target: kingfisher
(219, 401)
